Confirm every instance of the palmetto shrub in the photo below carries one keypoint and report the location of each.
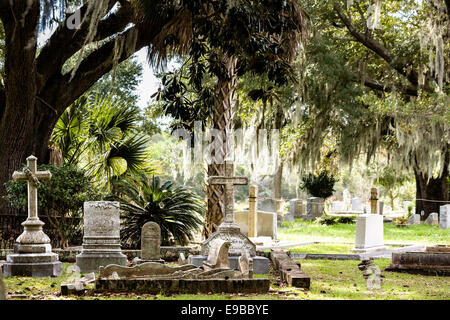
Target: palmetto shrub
(177, 209)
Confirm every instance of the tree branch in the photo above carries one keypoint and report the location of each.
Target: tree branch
(384, 87)
(61, 91)
(378, 48)
(65, 42)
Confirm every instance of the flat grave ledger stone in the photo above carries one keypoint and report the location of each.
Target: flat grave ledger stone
(369, 233)
(433, 219)
(101, 240)
(444, 217)
(33, 256)
(433, 261)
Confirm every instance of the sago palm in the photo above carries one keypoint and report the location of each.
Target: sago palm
(177, 209)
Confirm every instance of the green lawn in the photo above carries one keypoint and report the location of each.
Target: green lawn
(302, 230)
(329, 280)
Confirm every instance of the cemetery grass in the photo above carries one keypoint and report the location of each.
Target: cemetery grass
(330, 280)
(305, 231)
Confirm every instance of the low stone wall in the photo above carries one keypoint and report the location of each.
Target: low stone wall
(168, 253)
(187, 286)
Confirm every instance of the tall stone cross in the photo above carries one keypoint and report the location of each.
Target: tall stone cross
(229, 181)
(32, 176)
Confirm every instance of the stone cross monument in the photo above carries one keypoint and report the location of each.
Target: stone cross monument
(33, 252)
(229, 230)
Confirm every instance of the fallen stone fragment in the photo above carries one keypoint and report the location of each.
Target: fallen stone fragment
(89, 278)
(72, 288)
(290, 271)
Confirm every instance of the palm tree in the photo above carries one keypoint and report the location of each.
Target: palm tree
(176, 209)
(99, 135)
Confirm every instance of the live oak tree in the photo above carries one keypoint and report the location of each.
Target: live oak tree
(376, 76)
(36, 88)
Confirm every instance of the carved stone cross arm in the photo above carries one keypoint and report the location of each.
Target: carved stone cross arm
(221, 180)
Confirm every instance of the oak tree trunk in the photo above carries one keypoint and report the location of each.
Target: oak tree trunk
(431, 193)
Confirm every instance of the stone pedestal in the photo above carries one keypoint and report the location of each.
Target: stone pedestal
(369, 233)
(101, 240)
(33, 256)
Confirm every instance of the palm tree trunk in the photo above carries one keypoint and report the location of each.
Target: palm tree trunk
(222, 121)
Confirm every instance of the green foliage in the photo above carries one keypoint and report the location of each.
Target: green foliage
(177, 210)
(100, 135)
(261, 36)
(61, 198)
(330, 220)
(320, 185)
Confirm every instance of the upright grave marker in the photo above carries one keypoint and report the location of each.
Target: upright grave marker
(101, 239)
(444, 217)
(33, 254)
(150, 243)
(252, 212)
(370, 228)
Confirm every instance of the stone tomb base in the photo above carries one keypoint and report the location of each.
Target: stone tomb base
(429, 262)
(32, 265)
(90, 262)
(183, 286)
(260, 264)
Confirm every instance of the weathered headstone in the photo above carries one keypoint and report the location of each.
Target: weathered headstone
(414, 219)
(33, 254)
(314, 208)
(432, 219)
(101, 240)
(268, 205)
(253, 209)
(357, 204)
(444, 217)
(338, 206)
(369, 233)
(150, 243)
(218, 255)
(297, 208)
(228, 229)
(266, 223)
